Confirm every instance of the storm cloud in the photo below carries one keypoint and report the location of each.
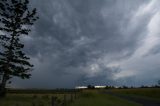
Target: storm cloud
(100, 42)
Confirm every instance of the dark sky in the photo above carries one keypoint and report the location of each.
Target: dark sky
(100, 42)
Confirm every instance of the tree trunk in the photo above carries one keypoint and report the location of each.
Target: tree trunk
(2, 86)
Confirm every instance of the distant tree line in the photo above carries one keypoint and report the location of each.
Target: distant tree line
(126, 87)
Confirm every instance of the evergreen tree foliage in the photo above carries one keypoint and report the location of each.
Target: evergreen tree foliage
(15, 19)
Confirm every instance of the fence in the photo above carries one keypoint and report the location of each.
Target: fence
(67, 99)
(61, 97)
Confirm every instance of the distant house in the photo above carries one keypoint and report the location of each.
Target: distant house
(98, 87)
(81, 87)
(85, 87)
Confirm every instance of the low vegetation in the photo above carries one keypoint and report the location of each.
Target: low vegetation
(38, 98)
(87, 97)
(96, 98)
(149, 93)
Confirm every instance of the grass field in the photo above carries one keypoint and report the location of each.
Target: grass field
(25, 100)
(85, 97)
(20, 99)
(96, 98)
(148, 93)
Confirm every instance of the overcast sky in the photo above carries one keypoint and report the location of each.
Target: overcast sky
(100, 42)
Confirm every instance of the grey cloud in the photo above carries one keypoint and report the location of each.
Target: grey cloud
(71, 35)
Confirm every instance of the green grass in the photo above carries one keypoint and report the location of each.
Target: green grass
(95, 98)
(146, 93)
(24, 100)
(32, 99)
(86, 97)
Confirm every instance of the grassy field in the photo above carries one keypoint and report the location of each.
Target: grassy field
(85, 97)
(25, 100)
(44, 99)
(148, 93)
(96, 98)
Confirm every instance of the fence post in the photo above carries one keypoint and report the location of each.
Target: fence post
(75, 95)
(64, 101)
(53, 101)
(71, 97)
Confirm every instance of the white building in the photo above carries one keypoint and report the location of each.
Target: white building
(100, 87)
(81, 87)
(85, 87)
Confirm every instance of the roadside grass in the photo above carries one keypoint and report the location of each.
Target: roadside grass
(95, 98)
(146, 93)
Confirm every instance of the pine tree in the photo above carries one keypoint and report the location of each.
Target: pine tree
(15, 19)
